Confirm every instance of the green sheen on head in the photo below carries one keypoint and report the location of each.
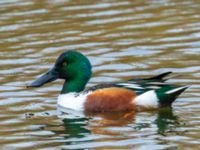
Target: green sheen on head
(75, 68)
(71, 66)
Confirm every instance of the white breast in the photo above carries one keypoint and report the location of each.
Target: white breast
(72, 101)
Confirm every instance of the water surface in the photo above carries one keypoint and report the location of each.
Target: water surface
(122, 39)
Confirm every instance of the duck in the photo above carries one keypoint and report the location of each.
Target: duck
(133, 94)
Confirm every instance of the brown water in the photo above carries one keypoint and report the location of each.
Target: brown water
(122, 38)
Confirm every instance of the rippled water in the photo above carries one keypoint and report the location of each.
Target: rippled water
(123, 39)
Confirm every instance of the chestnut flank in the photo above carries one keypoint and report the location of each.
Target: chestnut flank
(110, 99)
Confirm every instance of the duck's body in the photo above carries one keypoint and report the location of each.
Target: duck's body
(108, 99)
(121, 96)
(134, 94)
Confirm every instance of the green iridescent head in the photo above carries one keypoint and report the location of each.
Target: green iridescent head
(71, 66)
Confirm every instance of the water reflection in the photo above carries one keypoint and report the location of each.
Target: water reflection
(75, 128)
(122, 125)
(166, 121)
(100, 130)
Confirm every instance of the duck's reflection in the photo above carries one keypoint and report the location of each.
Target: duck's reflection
(75, 127)
(166, 120)
(97, 122)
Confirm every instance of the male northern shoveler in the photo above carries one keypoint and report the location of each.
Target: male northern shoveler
(133, 94)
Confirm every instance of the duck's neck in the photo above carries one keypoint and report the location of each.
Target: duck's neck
(76, 85)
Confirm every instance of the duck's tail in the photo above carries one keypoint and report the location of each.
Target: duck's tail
(159, 78)
(168, 94)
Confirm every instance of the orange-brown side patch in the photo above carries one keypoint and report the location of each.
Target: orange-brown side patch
(110, 99)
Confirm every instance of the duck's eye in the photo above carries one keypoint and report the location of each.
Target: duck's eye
(64, 64)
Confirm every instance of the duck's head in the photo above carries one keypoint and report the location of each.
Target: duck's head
(71, 66)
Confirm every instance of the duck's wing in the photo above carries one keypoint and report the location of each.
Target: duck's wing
(139, 85)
